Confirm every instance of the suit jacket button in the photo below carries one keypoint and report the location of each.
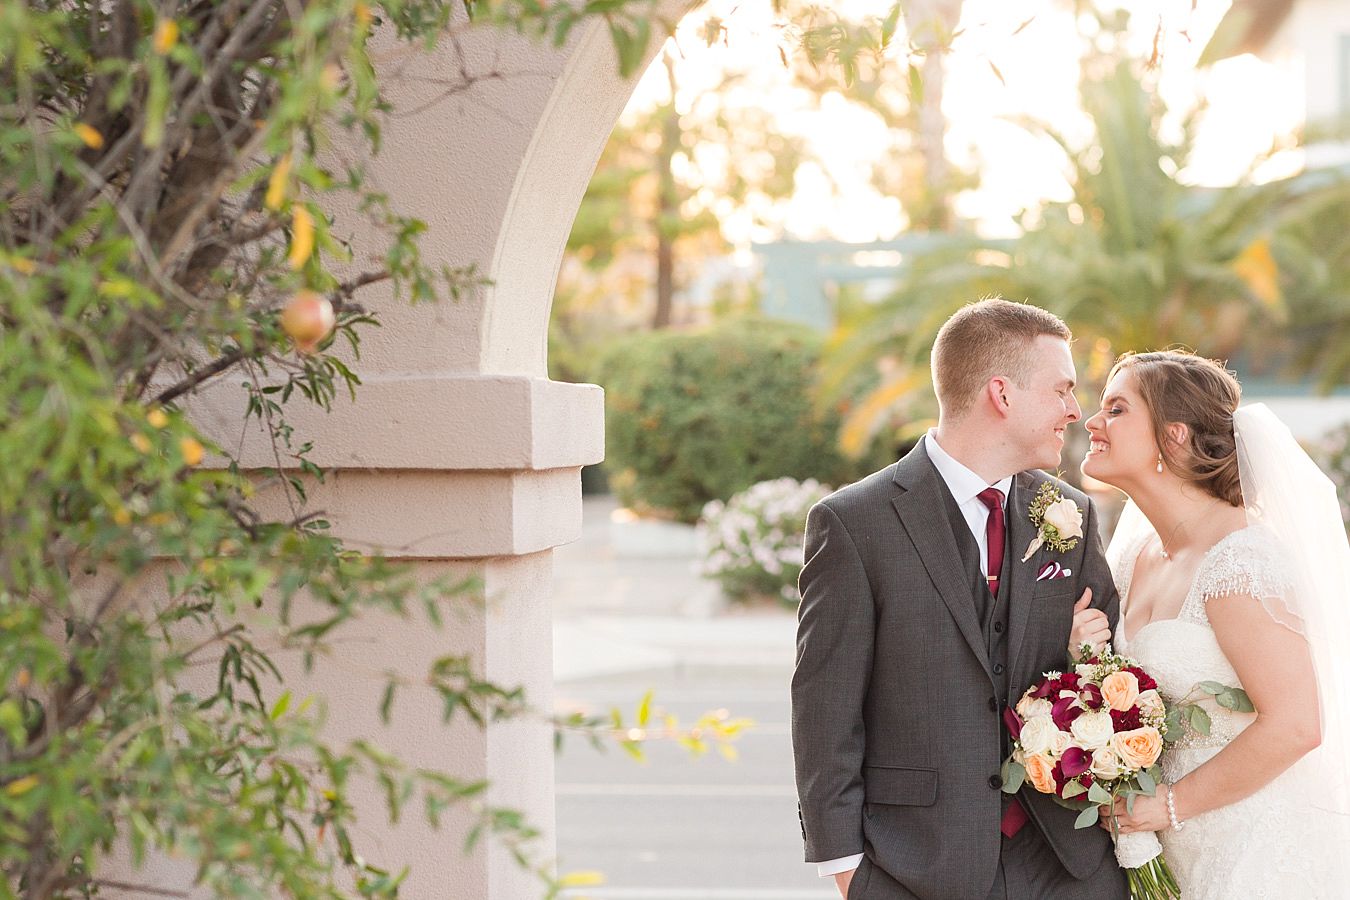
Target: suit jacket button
(998, 628)
(998, 668)
(995, 782)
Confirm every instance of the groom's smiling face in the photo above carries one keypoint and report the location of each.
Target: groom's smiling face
(1045, 405)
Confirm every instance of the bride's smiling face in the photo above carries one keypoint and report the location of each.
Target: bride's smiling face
(1123, 448)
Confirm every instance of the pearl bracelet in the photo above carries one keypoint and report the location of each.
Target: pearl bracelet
(1177, 824)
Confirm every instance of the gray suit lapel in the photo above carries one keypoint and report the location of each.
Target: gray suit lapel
(923, 514)
(1021, 581)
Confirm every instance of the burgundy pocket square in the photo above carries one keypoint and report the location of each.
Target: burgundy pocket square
(1052, 570)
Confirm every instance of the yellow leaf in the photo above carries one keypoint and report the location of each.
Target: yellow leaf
(117, 287)
(21, 785)
(157, 418)
(90, 135)
(586, 878)
(362, 13)
(121, 517)
(166, 35)
(22, 265)
(1257, 268)
(191, 450)
(276, 184)
(302, 237)
(729, 753)
(140, 442)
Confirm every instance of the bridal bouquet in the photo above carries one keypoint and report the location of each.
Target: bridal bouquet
(1087, 737)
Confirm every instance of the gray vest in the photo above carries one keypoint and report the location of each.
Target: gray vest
(992, 611)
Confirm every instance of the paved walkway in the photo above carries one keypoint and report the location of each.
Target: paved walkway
(614, 614)
(676, 827)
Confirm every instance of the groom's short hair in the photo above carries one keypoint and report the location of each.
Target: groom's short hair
(983, 339)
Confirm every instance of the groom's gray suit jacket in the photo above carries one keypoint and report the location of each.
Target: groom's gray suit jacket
(904, 665)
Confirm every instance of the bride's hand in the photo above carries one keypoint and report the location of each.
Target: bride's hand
(1090, 626)
(1150, 814)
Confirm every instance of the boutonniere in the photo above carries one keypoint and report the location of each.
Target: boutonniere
(1058, 521)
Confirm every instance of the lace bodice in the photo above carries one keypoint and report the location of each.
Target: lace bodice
(1253, 848)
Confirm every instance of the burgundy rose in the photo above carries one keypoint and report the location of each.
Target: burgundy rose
(1068, 681)
(1013, 721)
(1125, 721)
(1046, 688)
(1146, 682)
(1064, 712)
(1075, 761)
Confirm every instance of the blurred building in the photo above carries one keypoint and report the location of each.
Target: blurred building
(1311, 40)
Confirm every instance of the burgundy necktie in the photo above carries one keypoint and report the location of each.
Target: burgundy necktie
(993, 533)
(1014, 817)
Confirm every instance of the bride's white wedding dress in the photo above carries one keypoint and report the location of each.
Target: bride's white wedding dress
(1270, 845)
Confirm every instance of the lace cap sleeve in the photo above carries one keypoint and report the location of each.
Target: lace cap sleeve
(1248, 562)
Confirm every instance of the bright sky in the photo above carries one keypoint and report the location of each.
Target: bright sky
(1249, 106)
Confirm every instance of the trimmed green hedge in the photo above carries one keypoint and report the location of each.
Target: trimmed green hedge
(698, 416)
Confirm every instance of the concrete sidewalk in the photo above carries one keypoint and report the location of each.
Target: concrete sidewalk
(615, 614)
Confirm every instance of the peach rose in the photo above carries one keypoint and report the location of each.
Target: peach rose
(1139, 748)
(1120, 690)
(1040, 772)
(1030, 707)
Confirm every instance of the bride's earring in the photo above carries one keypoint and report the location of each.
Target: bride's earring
(1159, 463)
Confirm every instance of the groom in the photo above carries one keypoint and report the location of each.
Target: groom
(920, 623)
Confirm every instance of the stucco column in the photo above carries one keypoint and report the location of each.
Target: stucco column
(459, 455)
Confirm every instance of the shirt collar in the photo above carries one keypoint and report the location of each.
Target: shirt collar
(964, 484)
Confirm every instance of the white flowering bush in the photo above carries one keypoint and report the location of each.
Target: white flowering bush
(753, 542)
(1333, 455)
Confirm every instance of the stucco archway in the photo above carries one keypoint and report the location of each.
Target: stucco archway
(459, 454)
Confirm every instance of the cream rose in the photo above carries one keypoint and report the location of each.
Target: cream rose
(1092, 730)
(1061, 743)
(1038, 735)
(1120, 690)
(1066, 517)
(1040, 772)
(1106, 764)
(1139, 748)
(1150, 704)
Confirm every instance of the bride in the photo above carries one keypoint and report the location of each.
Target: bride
(1232, 566)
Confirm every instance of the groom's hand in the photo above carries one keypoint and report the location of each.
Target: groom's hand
(1090, 626)
(842, 881)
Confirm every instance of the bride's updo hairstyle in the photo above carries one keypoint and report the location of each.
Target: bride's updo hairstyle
(1201, 394)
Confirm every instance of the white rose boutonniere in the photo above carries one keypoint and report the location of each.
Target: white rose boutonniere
(1058, 521)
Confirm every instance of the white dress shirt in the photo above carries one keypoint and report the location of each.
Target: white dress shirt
(965, 487)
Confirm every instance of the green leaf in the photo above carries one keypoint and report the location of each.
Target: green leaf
(1199, 719)
(644, 710)
(1099, 795)
(915, 85)
(1087, 818)
(279, 708)
(1213, 687)
(1014, 776)
(1073, 789)
(1146, 783)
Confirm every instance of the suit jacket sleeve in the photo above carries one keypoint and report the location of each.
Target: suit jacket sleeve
(835, 629)
(1096, 572)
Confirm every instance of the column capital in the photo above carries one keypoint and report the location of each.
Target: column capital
(444, 422)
